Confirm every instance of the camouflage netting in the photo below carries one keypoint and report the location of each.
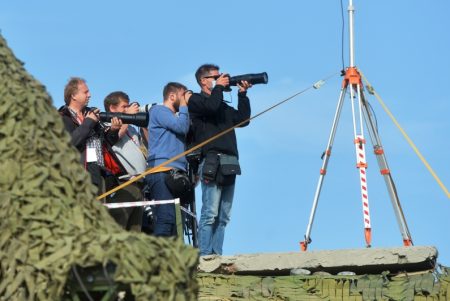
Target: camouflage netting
(49, 218)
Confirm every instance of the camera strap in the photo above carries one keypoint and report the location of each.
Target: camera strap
(133, 139)
(78, 118)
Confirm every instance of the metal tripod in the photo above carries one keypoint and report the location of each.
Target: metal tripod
(360, 112)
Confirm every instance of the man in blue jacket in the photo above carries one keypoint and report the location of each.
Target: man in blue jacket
(168, 126)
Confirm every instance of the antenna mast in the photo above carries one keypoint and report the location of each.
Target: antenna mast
(351, 12)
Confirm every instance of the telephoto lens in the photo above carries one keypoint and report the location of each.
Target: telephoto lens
(139, 119)
(143, 108)
(252, 78)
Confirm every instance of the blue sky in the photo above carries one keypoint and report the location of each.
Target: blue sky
(402, 47)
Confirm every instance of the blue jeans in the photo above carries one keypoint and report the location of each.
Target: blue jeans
(165, 223)
(215, 215)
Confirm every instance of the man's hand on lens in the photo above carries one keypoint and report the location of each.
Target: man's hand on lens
(187, 95)
(93, 114)
(132, 109)
(223, 80)
(244, 86)
(116, 123)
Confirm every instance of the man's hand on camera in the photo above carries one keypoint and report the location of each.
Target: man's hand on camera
(116, 123)
(93, 114)
(183, 101)
(132, 109)
(244, 86)
(186, 96)
(223, 80)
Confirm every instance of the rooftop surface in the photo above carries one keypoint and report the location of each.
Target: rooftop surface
(358, 261)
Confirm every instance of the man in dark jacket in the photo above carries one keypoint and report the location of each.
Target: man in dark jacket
(219, 166)
(89, 136)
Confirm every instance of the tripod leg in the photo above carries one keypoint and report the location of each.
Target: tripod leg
(323, 170)
(194, 221)
(191, 220)
(385, 172)
(179, 221)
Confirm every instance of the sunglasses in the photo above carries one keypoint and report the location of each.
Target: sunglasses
(212, 76)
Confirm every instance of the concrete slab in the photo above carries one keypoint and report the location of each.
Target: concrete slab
(358, 261)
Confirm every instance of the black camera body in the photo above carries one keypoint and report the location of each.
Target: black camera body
(139, 119)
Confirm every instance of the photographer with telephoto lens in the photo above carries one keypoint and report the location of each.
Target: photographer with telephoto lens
(219, 165)
(88, 135)
(127, 160)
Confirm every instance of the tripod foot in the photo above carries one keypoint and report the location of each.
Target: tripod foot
(303, 246)
(368, 236)
(407, 242)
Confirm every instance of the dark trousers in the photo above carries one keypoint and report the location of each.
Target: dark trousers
(129, 218)
(164, 215)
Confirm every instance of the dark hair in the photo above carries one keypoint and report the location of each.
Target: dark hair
(204, 70)
(172, 87)
(114, 98)
(71, 88)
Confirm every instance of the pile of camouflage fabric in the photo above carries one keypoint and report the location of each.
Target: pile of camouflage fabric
(49, 218)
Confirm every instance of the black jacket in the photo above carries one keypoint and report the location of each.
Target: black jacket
(210, 115)
(81, 132)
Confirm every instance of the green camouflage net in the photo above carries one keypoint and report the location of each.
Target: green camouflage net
(49, 218)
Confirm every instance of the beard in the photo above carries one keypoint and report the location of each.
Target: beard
(176, 105)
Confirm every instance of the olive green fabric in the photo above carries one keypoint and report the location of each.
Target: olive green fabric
(426, 286)
(49, 218)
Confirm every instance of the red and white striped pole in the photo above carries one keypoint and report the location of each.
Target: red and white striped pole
(362, 166)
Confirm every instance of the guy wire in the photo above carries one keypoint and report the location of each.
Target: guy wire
(405, 135)
(153, 169)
